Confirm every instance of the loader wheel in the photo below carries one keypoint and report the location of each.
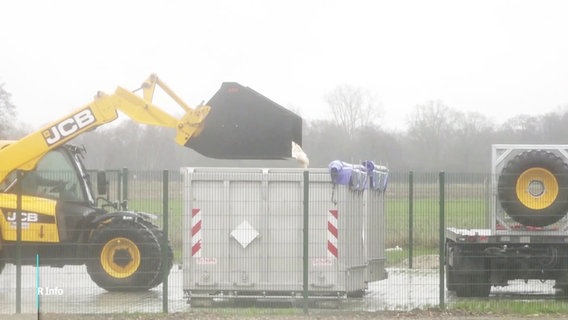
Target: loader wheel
(533, 188)
(125, 256)
(166, 265)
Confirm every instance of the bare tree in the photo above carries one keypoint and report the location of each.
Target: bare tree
(323, 142)
(473, 135)
(353, 108)
(431, 129)
(7, 113)
(522, 128)
(555, 126)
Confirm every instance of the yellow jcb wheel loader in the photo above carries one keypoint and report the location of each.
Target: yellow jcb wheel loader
(48, 204)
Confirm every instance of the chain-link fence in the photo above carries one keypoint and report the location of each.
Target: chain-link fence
(239, 237)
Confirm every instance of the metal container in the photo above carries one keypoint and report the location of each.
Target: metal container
(375, 236)
(243, 234)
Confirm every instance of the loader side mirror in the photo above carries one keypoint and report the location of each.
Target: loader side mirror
(102, 182)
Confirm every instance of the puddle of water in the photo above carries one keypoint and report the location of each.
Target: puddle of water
(405, 289)
(71, 290)
(74, 292)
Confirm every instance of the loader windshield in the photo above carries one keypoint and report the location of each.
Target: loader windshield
(55, 177)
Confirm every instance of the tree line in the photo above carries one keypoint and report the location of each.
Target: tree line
(437, 137)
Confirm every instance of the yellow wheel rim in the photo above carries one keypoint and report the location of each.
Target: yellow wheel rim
(120, 257)
(537, 188)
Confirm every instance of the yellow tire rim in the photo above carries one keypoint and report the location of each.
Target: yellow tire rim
(120, 257)
(537, 188)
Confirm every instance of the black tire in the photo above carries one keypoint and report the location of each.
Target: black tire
(533, 188)
(461, 286)
(125, 256)
(166, 265)
(470, 278)
(450, 272)
(472, 284)
(450, 278)
(480, 286)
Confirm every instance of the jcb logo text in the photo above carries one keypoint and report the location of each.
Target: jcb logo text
(69, 126)
(26, 217)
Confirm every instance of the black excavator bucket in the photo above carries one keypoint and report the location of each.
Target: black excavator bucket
(243, 124)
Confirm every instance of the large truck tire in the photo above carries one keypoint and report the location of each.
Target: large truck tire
(166, 265)
(450, 272)
(450, 278)
(469, 276)
(533, 188)
(470, 280)
(472, 284)
(125, 256)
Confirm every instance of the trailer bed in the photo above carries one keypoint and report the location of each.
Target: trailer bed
(506, 236)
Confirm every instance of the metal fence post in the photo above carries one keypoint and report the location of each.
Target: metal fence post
(125, 185)
(488, 202)
(441, 241)
(20, 175)
(306, 238)
(118, 185)
(410, 217)
(37, 284)
(164, 244)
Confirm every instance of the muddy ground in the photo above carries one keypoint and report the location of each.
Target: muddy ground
(295, 315)
(89, 299)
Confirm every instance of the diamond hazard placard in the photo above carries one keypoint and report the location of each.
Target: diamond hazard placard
(244, 233)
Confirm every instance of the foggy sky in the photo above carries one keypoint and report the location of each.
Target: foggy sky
(499, 58)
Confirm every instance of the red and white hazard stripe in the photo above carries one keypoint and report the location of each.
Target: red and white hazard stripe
(196, 233)
(332, 233)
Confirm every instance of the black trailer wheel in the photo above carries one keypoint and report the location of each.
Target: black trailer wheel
(480, 286)
(472, 284)
(461, 286)
(450, 272)
(450, 278)
(533, 188)
(125, 256)
(469, 277)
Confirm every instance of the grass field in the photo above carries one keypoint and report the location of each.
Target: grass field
(462, 213)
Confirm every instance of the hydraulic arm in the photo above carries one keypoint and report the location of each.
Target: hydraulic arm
(25, 153)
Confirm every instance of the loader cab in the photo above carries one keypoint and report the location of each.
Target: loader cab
(65, 166)
(59, 175)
